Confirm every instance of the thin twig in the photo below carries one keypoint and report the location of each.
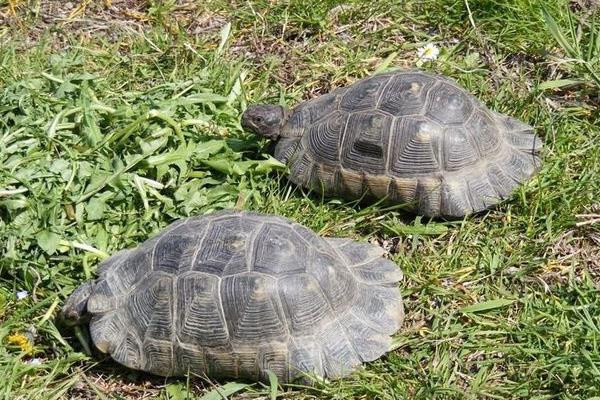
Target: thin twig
(471, 20)
(588, 222)
(10, 192)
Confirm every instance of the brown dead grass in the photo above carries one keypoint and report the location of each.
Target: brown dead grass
(110, 20)
(577, 251)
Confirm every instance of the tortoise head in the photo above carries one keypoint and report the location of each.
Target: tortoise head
(265, 119)
(74, 312)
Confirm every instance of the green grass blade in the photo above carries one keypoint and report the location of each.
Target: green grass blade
(225, 33)
(486, 306)
(559, 83)
(273, 384)
(221, 392)
(558, 34)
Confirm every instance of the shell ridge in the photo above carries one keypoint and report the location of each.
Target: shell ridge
(174, 318)
(469, 195)
(250, 250)
(390, 148)
(382, 89)
(221, 309)
(199, 244)
(280, 309)
(342, 140)
(193, 248)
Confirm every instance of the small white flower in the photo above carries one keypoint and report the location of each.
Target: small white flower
(429, 52)
(34, 361)
(22, 294)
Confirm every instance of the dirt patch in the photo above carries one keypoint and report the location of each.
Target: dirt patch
(108, 20)
(89, 387)
(585, 6)
(577, 250)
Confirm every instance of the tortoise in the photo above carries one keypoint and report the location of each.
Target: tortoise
(406, 136)
(236, 294)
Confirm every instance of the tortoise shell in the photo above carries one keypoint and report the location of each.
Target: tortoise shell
(410, 137)
(234, 294)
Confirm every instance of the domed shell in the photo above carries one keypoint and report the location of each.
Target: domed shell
(410, 137)
(234, 294)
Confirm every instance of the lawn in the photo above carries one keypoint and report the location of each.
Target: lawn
(117, 118)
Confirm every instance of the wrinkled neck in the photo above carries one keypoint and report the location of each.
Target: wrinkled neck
(286, 113)
(294, 122)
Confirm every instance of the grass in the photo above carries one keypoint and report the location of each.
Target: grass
(115, 122)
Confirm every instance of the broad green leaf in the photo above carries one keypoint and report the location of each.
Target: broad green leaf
(222, 165)
(60, 166)
(221, 392)
(15, 203)
(84, 76)
(48, 241)
(487, 305)
(207, 149)
(175, 391)
(95, 208)
(386, 63)
(64, 88)
(269, 165)
(89, 126)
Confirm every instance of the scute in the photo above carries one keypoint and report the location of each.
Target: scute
(364, 94)
(189, 359)
(338, 354)
(174, 253)
(484, 133)
(365, 143)
(323, 139)
(448, 104)
(310, 112)
(406, 94)
(336, 282)
(200, 317)
(322, 106)
(130, 352)
(224, 249)
(148, 309)
(304, 304)
(159, 356)
(368, 343)
(123, 273)
(415, 146)
(458, 151)
(103, 298)
(278, 251)
(251, 307)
